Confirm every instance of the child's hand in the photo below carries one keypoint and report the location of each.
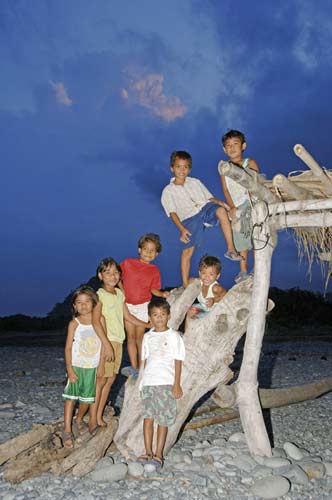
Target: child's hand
(232, 213)
(177, 391)
(209, 302)
(72, 375)
(192, 313)
(184, 236)
(166, 294)
(109, 352)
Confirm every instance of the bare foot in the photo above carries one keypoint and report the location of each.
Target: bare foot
(101, 423)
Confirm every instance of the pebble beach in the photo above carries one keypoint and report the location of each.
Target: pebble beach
(209, 462)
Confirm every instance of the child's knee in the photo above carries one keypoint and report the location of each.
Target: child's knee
(187, 252)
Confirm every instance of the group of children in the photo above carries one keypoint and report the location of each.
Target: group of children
(123, 305)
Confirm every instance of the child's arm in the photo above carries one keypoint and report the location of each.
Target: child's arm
(97, 325)
(184, 233)
(69, 344)
(218, 293)
(160, 293)
(253, 165)
(219, 202)
(101, 366)
(177, 389)
(131, 319)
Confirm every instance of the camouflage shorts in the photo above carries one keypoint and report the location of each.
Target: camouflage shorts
(159, 403)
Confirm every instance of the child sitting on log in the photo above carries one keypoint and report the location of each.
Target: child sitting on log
(162, 353)
(238, 198)
(193, 208)
(211, 292)
(82, 353)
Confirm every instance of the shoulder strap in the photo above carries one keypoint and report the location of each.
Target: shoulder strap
(77, 320)
(245, 163)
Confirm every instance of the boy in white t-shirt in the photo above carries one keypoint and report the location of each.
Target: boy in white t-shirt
(162, 354)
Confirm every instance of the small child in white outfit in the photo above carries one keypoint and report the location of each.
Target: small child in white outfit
(211, 291)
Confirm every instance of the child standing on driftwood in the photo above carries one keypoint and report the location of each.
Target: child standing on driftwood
(140, 280)
(162, 353)
(238, 198)
(112, 307)
(82, 354)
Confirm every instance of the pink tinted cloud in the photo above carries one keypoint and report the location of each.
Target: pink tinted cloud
(148, 92)
(61, 93)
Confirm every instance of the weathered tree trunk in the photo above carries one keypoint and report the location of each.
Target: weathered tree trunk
(210, 343)
(318, 172)
(40, 450)
(247, 384)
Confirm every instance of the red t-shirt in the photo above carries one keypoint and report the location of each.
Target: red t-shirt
(139, 279)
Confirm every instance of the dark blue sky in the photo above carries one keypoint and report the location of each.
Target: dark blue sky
(95, 96)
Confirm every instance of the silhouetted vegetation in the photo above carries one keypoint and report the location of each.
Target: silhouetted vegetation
(294, 307)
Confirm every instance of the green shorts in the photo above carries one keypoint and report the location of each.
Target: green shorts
(84, 389)
(159, 403)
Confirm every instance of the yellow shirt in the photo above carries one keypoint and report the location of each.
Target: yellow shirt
(112, 310)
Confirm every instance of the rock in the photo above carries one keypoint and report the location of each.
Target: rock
(5, 406)
(244, 462)
(110, 473)
(314, 470)
(7, 414)
(271, 487)
(104, 463)
(261, 471)
(237, 437)
(198, 452)
(279, 452)
(328, 468)
(219, 442)
(296, 475)
(293, 451)
(135, 469)
(276, 462)
(149, 468)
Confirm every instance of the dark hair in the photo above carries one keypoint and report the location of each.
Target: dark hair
(108, 262)
(210, 261)
(182, 155)
(154, 238)
(159, 303)
(236, 134)
(84, 290)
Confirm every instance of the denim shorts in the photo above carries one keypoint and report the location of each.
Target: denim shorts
(199, 222)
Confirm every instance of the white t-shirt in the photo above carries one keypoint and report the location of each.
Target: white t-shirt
(160, 350)
(186, 200)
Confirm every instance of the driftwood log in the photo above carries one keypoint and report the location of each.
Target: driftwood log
(210, 344)
(41, 450)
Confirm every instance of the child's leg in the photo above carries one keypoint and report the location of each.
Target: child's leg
(82, 409)
(68, 414)
(161, 439)
(131, 344)
(148, 435)
(244, 262)
(225, 225)
(185, 264)
(139, 340)
(105, 390)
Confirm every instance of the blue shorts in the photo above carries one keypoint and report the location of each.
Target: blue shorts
(197, 223)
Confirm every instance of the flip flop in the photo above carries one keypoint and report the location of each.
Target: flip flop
(80, 427)
(156, 461)
(234, 256)
(144, 459)
(67, 437)
(94, 431)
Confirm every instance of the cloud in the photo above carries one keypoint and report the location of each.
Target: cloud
(148, 91)
(61, 93)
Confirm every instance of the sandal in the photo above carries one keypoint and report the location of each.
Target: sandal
(94, 431)
(233, 256)
(80, 427)
(156, 461)
(144, 459)
(67, 439)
